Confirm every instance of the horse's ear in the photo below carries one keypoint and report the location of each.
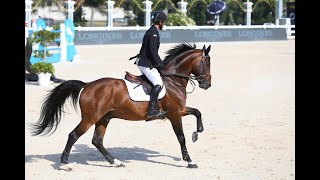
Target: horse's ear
(204, 50)
(208, 50)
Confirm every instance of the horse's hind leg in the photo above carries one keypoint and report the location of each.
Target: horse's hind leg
(82, 127)
(178, 130)
(97, 140)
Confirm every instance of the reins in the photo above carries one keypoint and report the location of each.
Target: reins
(190, 77)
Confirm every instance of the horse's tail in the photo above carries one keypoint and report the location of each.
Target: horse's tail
(53, 106)
(28, 52)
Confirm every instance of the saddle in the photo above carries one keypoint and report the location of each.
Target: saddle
(140, 80)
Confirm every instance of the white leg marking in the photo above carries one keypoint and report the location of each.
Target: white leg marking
(66, 167)
(117, 162)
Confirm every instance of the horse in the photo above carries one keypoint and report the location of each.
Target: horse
(107, 98)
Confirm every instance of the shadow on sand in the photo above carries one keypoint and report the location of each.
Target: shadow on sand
(82, 154)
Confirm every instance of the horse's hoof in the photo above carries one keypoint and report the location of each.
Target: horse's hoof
(192, 166)
(200, 129)
(65, 167)
(121, 165)
(194, 136)
(118, 163)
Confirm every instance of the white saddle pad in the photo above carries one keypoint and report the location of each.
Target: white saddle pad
(138, 94)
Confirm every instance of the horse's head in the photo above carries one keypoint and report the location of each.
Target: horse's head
(185, 59)
(201, 68)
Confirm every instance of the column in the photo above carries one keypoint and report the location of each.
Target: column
(279, 9)
(28, 12)
(63, 43)
(248, 10)
(70, 9)
(183, 6)
(147, 6)
(110, 10)
(217, 20)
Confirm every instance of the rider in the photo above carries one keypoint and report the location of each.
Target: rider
(149, 61)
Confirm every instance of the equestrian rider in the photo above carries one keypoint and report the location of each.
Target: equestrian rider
(149, 61)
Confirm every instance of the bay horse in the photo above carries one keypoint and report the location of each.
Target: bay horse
(107, 98)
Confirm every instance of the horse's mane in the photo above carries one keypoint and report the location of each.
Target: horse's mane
(178, 49)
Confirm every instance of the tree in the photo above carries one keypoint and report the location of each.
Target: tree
(78, 20)
(99, 5)
(179, 19)
(234, 15)
(130, 6)
(44, 38)
(263, 12)
(198, 13)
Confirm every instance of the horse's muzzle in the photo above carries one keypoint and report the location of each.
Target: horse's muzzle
(205, 85)
(203, 82)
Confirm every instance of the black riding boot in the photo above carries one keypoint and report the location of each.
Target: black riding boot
(153, 111)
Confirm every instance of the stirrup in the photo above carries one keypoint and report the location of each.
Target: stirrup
(158, 115)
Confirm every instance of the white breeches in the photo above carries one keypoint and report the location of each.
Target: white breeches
(152, 74)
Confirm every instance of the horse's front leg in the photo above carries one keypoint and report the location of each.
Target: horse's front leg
(195, 112)
(177, 127)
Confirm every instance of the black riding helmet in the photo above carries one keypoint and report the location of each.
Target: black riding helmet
(158, 16)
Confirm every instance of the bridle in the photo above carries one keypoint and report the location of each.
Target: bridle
(200, 78)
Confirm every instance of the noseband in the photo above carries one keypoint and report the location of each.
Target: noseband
(200, 78)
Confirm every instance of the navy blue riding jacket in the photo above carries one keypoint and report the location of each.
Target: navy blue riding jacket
(148, 55)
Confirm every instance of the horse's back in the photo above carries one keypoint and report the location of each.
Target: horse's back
(110, 89)
(103, 84)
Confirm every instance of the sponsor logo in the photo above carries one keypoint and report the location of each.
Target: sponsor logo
(255, 34)
(136, 35)
(99, 36)
(213, 35)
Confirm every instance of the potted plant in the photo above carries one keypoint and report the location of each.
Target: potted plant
(43, 68)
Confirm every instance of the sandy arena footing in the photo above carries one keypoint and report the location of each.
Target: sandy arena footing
(248, 118)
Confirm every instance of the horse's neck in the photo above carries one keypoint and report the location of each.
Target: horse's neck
(175, 86)
(180, 69)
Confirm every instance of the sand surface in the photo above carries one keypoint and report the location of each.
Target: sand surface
(248, 118)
